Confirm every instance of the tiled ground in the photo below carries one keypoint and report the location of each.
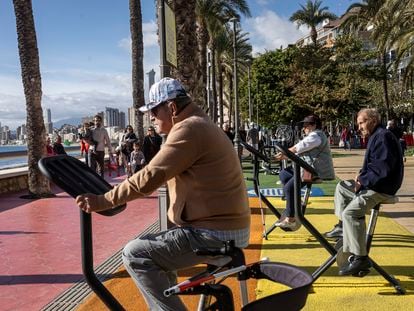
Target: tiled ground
(40, 244)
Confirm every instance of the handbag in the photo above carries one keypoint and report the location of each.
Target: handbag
(307, 176)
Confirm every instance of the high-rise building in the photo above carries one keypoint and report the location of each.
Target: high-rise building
(111, 117)
(47, 118)
(122, 120)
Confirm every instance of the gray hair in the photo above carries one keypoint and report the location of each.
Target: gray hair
(371, 114)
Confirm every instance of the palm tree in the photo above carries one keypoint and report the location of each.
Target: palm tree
(362, 16)
(312, 15)
(32, 85)
(225, 63)
(188, 70)
(211, 16)
(398, 15)
(222, 43)
(137, 48)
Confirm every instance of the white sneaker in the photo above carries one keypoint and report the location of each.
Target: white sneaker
(286, 224)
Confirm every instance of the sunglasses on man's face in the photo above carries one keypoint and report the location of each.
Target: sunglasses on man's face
(156, 109)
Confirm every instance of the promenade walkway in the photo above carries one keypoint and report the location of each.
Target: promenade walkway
(40, 243)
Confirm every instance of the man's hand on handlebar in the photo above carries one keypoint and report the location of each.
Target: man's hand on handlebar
(90, 202)
(280, 156)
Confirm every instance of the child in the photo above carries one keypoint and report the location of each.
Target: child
(137, 159)
(86, 141)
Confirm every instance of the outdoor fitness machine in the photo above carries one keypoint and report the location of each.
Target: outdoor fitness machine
(336, 252)
(75, 178)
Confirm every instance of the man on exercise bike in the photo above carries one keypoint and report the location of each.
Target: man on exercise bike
(208, 198)
(380, 177)
(314, 149)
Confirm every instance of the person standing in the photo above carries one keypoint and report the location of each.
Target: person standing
(97, 153)
(228, 131)
(49, 148)
(86, 141)
(125, 147)
(379, 179)
(58, 147)
(253, 136)
(137, 158)
(207, 208)
(152, 144)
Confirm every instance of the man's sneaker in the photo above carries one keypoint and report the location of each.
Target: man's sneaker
(286, 224)
(358, 266)
(336, 232)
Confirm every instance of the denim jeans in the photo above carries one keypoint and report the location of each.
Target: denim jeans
(153, 261)
(286, 178)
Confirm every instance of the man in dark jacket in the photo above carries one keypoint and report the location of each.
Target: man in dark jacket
(379, 179)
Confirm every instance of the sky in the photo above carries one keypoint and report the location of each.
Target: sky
(84, 49)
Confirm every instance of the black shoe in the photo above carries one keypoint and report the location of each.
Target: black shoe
(358, 266)
(336, 232)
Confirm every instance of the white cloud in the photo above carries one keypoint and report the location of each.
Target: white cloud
(149, 36)
(77, 92)
(269, 31)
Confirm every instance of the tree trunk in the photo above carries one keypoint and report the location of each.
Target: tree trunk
(214, 82)
(221, 102)
(385, 86)
(32, 85)
(231, 93)
(137, 49)
(314, 34)
(202, 39)
(188, 70)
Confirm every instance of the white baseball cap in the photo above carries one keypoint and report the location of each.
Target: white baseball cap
(162, 91)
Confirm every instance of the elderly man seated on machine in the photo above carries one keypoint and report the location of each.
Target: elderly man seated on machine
(314, 149)
(379, 179)
(208, 197)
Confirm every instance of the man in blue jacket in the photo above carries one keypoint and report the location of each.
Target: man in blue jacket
(380, 177)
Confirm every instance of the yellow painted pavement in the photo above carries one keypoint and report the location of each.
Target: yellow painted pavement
(393, 249)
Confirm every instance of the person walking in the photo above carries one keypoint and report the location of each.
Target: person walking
(97, 152)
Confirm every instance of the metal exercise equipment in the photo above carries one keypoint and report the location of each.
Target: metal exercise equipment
(75, 178)
(262, 198)
(297, 163)
(201, 284)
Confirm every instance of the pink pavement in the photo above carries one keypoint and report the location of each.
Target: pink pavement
(40, 248)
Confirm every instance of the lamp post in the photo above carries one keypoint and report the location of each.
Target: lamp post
(164, 68)
(236, 95)
(249, 91)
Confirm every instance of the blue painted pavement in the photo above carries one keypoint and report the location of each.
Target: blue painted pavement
(278, 192)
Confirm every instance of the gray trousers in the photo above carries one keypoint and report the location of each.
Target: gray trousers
(152, 262)
(351, 207)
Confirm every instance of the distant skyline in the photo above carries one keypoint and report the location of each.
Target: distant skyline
(84, 49)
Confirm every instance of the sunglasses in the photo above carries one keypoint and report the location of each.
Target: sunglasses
(155, 110)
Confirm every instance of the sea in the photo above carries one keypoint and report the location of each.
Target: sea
(14, 161)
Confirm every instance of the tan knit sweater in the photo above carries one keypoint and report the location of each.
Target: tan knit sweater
(204, 177)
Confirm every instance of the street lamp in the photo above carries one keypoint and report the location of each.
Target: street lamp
(236, 95)
(249, 63)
